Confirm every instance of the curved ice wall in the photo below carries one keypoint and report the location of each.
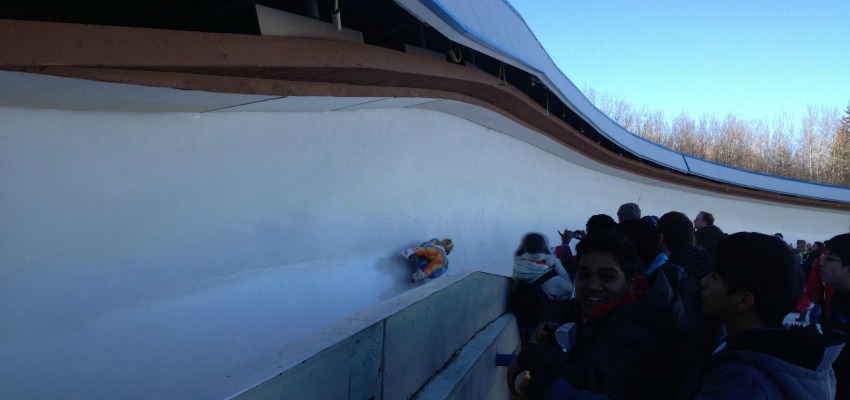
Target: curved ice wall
(150, 254)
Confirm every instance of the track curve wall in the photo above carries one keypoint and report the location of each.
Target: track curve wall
(151, 252)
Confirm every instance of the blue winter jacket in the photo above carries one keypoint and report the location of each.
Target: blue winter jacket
(767, 364)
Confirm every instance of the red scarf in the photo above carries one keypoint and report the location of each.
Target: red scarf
(642, 287)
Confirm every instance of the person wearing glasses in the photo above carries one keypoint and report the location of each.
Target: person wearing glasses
(835, 271)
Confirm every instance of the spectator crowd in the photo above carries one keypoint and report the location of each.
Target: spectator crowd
(672, 308)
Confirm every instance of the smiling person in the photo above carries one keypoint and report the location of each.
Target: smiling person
(835, 271)
(755, 283)
(624, 329)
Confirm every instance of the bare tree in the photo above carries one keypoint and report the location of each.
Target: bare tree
(682, 131)
(839, 151)
(813, 145)
(781, 149)
(819, 151)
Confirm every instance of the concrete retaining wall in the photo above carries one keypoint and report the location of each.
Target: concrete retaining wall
(392, 350)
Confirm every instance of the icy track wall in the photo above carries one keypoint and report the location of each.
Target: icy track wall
(147, 255)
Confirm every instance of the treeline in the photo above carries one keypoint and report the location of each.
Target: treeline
(818, 150)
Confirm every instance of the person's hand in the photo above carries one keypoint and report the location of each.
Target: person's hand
(513, 372)
(545, 332)
(566, 236)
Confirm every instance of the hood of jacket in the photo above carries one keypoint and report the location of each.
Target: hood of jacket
(786, 363)
(530, 266)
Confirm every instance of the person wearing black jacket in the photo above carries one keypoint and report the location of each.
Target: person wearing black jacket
(625, 327)
(702, 331)
(677, 237)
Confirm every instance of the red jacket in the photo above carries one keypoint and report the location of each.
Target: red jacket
(818, 292)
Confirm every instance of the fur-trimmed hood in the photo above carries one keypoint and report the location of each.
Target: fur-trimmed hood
(530, 266)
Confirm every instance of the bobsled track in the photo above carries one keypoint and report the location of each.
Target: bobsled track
(186, 213)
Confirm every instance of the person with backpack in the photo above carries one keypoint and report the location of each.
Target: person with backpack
(540, 279)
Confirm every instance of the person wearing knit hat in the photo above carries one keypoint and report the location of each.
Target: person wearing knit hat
(628, 211)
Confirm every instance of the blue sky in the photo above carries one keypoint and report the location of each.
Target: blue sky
(753, 59)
